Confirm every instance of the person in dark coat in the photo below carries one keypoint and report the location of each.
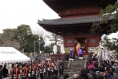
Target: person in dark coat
(1, 74)
(46, 77)
(65, 76)
(83, 73)
(101, 68)
(54, 77)
(5, 72)
(96, 66)
(72, 54)
(93, 73)
(61, 67)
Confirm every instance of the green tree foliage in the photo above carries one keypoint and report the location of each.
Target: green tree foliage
(111, 11)
(26, 38)
(21, 38)
(41, 44)
(29, 47)
(110, 45)
(56, 38)
(8, 37)
(47, 49)
(1, 39)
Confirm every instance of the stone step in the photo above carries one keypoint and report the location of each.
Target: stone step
(72, 70)
(69, 77)
(78, 60)
(69, 73)
(75, 66)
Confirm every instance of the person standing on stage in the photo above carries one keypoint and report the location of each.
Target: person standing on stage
(80, 53)
(72, 55)
(77, 49)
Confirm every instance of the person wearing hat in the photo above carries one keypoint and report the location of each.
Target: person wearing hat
(1, 68)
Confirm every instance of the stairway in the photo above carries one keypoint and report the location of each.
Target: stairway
(74, 68)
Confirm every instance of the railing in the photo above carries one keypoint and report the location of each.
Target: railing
(69, 64)
(54, 57)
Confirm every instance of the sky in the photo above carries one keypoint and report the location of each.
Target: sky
(16, 12)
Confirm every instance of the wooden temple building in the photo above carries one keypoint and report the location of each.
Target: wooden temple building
(76, 21)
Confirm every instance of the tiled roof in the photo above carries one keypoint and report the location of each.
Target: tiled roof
(75, 20)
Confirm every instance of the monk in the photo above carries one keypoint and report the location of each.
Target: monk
(77, 49)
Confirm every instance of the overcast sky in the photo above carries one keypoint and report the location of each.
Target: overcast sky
(16, 12)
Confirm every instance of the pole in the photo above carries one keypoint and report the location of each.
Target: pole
(34, 47)
(39, 47)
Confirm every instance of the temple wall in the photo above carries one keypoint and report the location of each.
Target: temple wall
(70, 43)
(79, 11)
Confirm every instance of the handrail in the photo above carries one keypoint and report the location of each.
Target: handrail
(70, 60)
(69, 64)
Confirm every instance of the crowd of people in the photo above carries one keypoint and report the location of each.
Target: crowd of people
(103, 66)
(97, 70)
(33, 70)
(48, 69)
(100, 70)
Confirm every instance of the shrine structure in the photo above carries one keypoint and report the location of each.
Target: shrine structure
(76, 21)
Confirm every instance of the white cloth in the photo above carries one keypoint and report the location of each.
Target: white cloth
(62, 49)
(104, 54)
(55, 49)
(7, 78)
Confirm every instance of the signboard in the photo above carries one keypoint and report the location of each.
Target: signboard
(69, 42)
(93, 42)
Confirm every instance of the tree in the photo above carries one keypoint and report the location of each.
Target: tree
(8, 38)
(47, 49)
(29, 47)
(111, 11)
(55, 38)
(1, 40)
(111, 44)
(26, 38)
(41, 43)
(9, 35)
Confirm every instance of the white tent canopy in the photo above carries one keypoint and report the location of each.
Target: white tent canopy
(11, 55)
